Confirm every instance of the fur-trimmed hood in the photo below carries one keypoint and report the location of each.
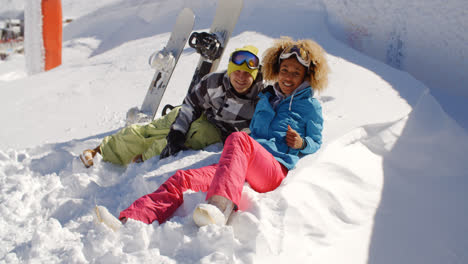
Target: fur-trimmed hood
(318, 76)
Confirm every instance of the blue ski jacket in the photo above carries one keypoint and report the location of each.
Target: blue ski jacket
(299, 110)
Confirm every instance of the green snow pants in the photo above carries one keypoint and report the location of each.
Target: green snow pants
(150, 139)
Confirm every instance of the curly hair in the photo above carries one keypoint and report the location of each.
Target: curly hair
(318, 74)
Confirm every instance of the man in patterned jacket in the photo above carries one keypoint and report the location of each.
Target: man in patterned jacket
(221, 103)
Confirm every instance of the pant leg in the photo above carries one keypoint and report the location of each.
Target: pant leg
(202, 133)
(122, 146)
(244, 159)
(162, 203)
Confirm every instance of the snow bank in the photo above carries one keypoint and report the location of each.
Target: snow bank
(425, 38)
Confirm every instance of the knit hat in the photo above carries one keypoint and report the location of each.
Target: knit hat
(232, 67)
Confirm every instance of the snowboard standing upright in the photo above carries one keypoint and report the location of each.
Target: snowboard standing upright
(164, 62)
(211, 45)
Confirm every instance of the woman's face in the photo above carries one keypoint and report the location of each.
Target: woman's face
(291, 75)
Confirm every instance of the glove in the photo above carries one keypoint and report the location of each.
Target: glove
(175, 143)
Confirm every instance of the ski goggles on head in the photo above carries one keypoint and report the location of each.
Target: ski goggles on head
(302, 55)
(241, 56)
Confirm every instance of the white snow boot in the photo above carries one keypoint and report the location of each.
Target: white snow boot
(216, 211)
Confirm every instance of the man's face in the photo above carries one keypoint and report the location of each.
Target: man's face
(241, 81)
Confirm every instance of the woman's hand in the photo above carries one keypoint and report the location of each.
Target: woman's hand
(293, 139)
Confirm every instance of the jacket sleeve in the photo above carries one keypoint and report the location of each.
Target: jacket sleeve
(314, 128)
(191, 109)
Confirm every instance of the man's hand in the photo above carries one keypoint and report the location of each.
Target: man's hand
(293, 139)
(175, 143)
(138, 158)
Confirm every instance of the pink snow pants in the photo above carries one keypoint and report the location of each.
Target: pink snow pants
(243, 159)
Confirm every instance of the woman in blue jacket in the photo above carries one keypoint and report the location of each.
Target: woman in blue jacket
(286, 125)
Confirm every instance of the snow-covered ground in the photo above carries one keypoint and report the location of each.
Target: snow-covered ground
(388, 186)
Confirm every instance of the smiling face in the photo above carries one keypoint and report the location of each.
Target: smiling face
(241, 81)
(291, 75)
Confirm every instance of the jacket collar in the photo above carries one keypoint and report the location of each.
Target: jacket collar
(277, 96)
(301, 87)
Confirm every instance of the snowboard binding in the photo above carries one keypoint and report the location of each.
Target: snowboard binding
(206, 44)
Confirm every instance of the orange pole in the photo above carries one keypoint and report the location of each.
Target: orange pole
(52, 32)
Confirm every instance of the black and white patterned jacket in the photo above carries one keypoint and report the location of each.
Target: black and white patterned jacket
(223, 107)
